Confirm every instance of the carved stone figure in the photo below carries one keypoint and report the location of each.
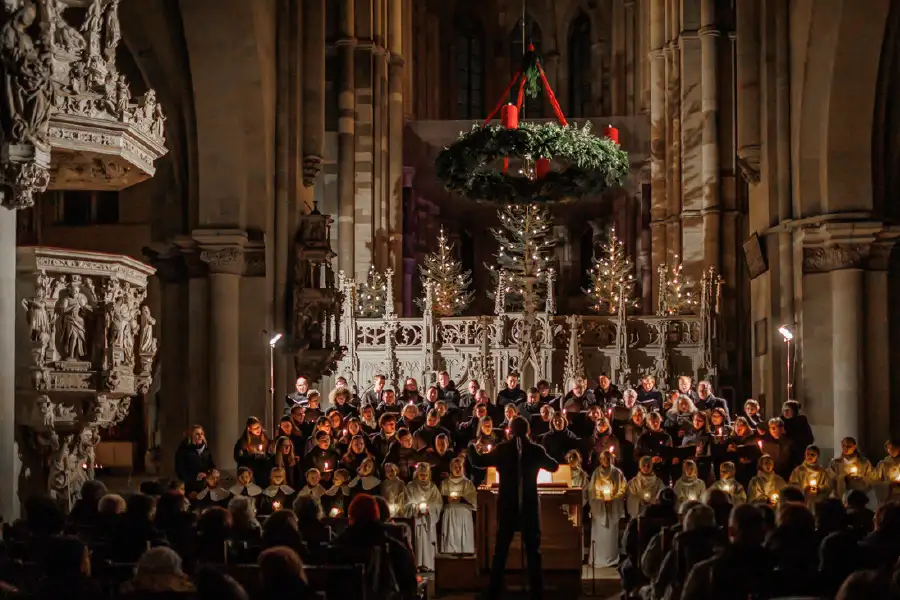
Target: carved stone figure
(112, 33)
(92, 25)
(65, 37)
(123, 96)
(27, 90)
(39, 319)
(148, 343)
(74, 330)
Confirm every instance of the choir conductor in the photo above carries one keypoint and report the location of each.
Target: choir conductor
(517, 461)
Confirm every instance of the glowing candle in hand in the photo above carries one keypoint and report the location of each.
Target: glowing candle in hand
(423, 507)
(773, 498)
(276, 505)
(260, 447)
(646, 495)
(334, 512)
(454, 496)
(854, 470)
(326, 465)
(607, 492)
(759, 443)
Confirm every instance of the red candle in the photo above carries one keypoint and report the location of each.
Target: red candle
(542, 167)
(509, 116)
(611, 133)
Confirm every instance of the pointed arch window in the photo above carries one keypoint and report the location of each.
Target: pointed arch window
(469, 70)
(580, 67)
(534, 107)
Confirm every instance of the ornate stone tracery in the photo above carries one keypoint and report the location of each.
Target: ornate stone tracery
(85, 346)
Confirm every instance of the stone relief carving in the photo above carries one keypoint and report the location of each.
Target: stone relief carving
(831, 258)
(225, 260)
(53, 71)
(92, 346)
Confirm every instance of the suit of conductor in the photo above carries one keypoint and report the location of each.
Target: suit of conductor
(517, 462)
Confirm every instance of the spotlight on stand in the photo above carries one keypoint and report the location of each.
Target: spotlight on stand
(270, 406)
(788, 335)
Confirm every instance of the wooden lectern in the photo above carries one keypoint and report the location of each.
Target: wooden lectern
(561, 532)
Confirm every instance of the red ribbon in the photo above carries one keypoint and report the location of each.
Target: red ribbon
(502, 99)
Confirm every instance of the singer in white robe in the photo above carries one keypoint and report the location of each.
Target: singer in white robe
(766, 484)
(457, 525)
(728, 484)
(393, 489)
(689, 486)
(851, 471)
(424, 504)
(643, 488)
(814, 480)
(887, 473)
(606, 493)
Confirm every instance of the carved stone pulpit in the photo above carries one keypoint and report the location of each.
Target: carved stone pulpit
(85, 345)
(68, 118)
(317, 300)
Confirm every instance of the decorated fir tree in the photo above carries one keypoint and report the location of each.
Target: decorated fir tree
(526, 245)
(371, 295)
(611, 274)
(449, 283)
(676, 292)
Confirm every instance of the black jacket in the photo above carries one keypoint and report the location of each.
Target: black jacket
(609, 397)
(712, 402)
(558, 443)
(190, 461)
(506, 459)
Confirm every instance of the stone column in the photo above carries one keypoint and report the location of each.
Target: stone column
(673, 130)
(176, 396)
(395, 144)
(346, 46)
(848, 328)
(226, 263)
(313, 63)
(9, 504)
(748, 92)
(657, 138)
(711, 211)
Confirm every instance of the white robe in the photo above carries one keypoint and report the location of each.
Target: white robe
(887, 474)
(580, 479)
(642, 490)
(842, 474)
(457, 526)
(419, 493)
(606, 492)
(802, 478)
(763, 485)
(394, 491)
(250, 490)
(688, 489)
(733, 488)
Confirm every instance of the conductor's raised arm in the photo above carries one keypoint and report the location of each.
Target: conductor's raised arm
(481, 460)
(545, 461)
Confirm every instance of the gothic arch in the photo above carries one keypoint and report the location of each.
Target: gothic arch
(836, 48)
(598, 17)
(231, 50)
(155, 42)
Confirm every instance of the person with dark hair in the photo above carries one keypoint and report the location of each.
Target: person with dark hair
(517, 461)
(213, 533)
(281, 575)
(390, 565)
(67, 565)
(403, 454)
(797, 429)
(839, 547)
(881, 548)
(868, 585)
(531, 406)
(212, 584)
(136, 531)
(862, 519)
(175, 522)
(699, 540)
(794, 547)
(251, 450)
(282, 529)
(742, 570)
(193, 459)
(888, 470)
(313, 531)
(607, 394)
(84, 513)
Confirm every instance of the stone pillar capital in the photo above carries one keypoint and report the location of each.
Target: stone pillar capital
(169, 262)
(222, 249)
(835, 246)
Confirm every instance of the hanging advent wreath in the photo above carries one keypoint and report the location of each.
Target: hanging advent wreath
(559, 162)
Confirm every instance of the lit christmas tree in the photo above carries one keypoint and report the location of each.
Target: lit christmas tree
(526, 245)
(611, 271)
(676, 292)
(450, 284)
(371, 295)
